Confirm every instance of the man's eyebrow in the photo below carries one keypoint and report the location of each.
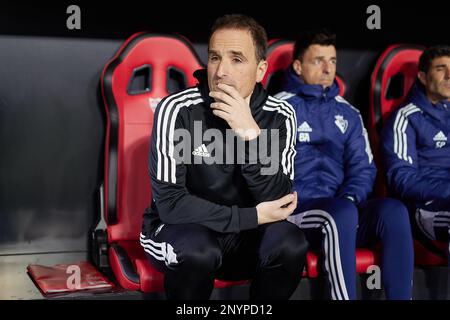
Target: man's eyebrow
(442, 65)
(323, 57)
(231, 52)
(236, 53)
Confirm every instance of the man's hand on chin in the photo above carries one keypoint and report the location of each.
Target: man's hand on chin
(235, 110)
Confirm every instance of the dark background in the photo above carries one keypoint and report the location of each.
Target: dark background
(425, 22)
(52, 121)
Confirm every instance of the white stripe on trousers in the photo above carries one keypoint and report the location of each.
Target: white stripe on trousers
(333, 263)
(159, 250)
(428, 220)
(440, 219)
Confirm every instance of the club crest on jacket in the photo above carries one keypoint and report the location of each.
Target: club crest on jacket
(341, 123)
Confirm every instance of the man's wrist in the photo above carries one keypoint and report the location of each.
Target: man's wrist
(253, 134)
(248, 134)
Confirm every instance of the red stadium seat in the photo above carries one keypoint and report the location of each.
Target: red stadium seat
(279, 57)
(391, 79)
(146, 68)
(364, 259)
(394, 74)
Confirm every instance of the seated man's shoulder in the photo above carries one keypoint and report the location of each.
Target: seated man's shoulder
(408, 111)
(288, 98)
(346, 107)
(284, 95)
(279, 111)
(185, 97)
(280, 104)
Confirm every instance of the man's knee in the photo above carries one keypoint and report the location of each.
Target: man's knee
(285, 241)
(342, 212)
(197, 249)
(393, 211)
(345, 211)
(393, 214)
(207, 258)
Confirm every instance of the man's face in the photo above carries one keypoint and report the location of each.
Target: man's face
(437, 79)
(232, 60)
(318, 65)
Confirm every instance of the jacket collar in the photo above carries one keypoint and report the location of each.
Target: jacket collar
(439, 110)
(293, 83)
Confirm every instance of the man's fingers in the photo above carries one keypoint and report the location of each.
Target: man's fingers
(230, 90)
(291, 207)
(222, 97)
(221, 114)
(289, 204)
(295, 198)
(221, 106)
(285, 200)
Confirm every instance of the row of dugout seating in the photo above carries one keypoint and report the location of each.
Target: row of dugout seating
(148, 67)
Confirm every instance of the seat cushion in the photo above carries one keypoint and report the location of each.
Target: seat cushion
(134, 271)
(364, 259)
(425, 257)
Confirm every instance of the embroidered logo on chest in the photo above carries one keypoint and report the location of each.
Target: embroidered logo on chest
(341, 123)
(303, 132)
(201, 151)
(440, 140)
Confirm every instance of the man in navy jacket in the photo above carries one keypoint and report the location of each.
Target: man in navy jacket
(334, 174)
(416, 150)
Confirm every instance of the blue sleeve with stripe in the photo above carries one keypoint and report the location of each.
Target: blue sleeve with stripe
(404, 176)
(359, 168)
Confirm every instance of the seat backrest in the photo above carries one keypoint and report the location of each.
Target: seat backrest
(393, 75)
(145, 69)
(279, 58)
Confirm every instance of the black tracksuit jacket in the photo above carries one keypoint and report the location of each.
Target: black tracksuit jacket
(221, 197)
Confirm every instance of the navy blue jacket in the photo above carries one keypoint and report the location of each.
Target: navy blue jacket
(333, 158)
(416, 152)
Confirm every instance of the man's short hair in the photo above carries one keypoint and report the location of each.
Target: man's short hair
(432, 53)
(323, 37)
(242, 22)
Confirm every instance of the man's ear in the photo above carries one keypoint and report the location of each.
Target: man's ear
(261, 70)
(422, 77)
(297, 66)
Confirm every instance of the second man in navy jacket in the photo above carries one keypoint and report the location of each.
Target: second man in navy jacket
(335, 173)
(416, 150)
